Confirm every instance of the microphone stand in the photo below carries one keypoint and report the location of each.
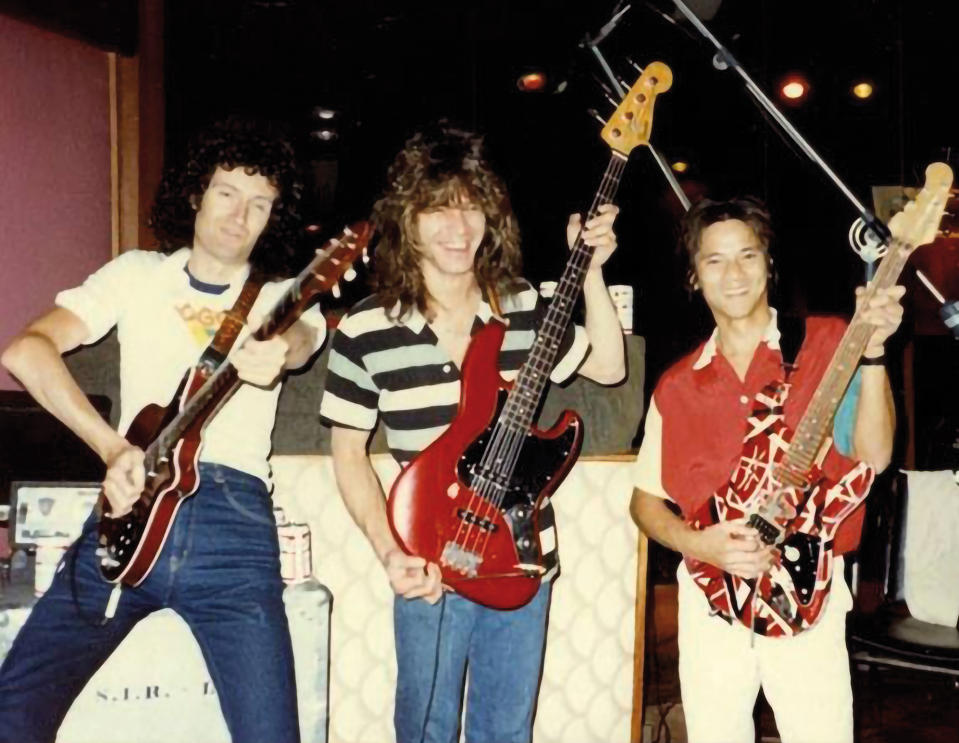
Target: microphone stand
(725, 59)
(593, 45)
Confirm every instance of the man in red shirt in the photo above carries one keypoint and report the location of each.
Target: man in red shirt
(692, 444)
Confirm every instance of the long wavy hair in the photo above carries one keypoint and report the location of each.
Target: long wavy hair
(439, 166)
(258, 147)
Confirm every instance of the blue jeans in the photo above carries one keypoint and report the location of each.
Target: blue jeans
(503, 652)
(219, 570)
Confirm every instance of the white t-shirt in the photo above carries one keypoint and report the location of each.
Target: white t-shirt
(163, 326)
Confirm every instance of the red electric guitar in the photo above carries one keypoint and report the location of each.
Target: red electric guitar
(171, 436)
(778, 486)
(470, 501)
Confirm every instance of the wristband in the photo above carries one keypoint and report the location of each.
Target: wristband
(875, 361)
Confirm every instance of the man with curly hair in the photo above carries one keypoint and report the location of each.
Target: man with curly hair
(449, 254)
(230, 211)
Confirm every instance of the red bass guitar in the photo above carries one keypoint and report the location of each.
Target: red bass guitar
(171, 436)
(470, 502)
(778, 486)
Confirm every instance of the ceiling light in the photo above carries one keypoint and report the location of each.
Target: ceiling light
(531, 82)
(794, 90)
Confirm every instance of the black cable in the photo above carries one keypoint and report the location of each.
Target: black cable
(75, 549)
(436, 663)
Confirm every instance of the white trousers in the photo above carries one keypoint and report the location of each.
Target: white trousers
(805, 678)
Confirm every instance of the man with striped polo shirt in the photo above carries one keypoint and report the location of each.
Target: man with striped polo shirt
(450, 254)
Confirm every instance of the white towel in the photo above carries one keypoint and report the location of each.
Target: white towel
(931, 558)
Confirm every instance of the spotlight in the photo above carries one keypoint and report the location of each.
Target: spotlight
(531, 82)
(794, 89)
(680, 166)
(326, 114)
(862, 90)
(324, 135)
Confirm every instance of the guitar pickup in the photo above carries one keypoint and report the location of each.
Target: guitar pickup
(769, 533)
(471, 518)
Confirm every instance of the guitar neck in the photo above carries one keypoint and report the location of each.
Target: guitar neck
(222, 383)
(816, 423)
(531, 380)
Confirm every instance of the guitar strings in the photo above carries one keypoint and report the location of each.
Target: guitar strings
(506, 443)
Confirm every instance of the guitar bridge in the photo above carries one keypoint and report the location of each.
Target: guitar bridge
(461, 559)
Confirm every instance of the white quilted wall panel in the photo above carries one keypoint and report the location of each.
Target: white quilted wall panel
(586, 694)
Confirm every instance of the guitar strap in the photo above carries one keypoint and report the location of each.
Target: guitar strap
(226, 335)
(792, 333)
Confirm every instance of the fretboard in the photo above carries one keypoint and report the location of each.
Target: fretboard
(816, 423)
(531, 380)
(223, 382)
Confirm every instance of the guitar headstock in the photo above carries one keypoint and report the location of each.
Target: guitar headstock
(334, 261)
(918, 223)
(632, 122)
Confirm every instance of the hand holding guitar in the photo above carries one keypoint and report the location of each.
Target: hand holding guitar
(733, 547)
(125, 478)
(260, 362)
(413, 577)
(598, 233)
(884, 312)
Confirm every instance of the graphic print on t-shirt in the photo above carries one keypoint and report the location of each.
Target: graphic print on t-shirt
(202, 321)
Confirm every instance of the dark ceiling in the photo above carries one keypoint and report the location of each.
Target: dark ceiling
(389, 65)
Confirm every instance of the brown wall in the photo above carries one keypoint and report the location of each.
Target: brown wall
(54, 170)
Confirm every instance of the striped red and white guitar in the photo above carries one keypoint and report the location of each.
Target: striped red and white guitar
(778, 486)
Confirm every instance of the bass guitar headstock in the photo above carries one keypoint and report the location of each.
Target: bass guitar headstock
(632, 122)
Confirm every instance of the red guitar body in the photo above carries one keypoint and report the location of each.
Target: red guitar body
(451, 507)
(138, 537)
(788, 598)
(171, 436)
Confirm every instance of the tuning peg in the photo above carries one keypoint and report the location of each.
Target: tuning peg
(612, 101)
(595, 114)
(625, 85)
(336, 291)
(603, 86)
(632, 63)
(349, 275)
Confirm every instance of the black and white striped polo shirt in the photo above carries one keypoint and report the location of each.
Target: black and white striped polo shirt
(396, 371)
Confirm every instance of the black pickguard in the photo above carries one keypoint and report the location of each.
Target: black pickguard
(538, 462)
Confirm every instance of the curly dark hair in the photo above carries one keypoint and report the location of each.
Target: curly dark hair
(706, 212)
(439, 166)
(258, 147)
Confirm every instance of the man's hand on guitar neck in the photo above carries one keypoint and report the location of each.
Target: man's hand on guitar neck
(884, 312)
(733, 547)
(260, 362)
(125, 479)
